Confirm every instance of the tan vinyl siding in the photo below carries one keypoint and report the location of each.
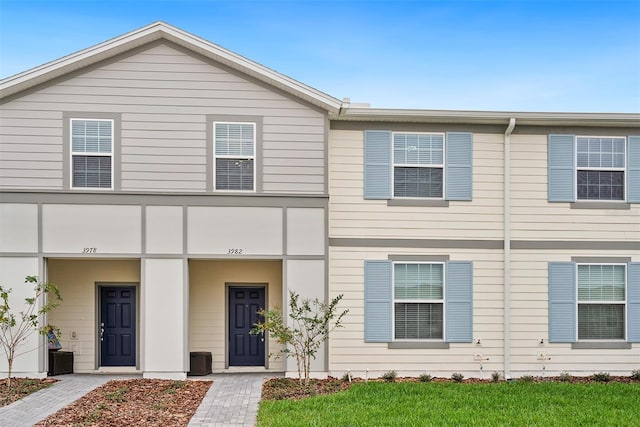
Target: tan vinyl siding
(534, 218)
(164, 96)
(352, 216)
(348, 351)
(530, 322)
(78, 283)
(208, 303)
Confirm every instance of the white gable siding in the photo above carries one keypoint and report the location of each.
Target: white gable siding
(164, 97)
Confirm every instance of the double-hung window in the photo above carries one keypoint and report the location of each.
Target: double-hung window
(593, 168)
(234, 151)
(594, 302)
(601, 301)
(600, 168)
(418, 301)
(92, 153)
(418, 295)
(418, 165)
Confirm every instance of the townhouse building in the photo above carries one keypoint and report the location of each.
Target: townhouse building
(171, 188)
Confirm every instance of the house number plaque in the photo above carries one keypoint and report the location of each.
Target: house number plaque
(89, 250)
(234, 251)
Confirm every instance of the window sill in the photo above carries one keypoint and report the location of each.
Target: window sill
(617, 345)
(601, 205)
(418, 202)
(418, 345)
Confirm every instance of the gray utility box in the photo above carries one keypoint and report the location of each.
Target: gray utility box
(200, 363)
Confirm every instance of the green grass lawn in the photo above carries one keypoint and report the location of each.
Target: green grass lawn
(419, 404)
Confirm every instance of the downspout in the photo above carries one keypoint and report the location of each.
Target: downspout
(507, 248)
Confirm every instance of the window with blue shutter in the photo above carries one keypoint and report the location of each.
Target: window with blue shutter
(377, 301)
(377, 164)
(416, 301)
(562, 302)
(586, 168)
(633, 302)
(633, 169)
(459, 301)
(587, 302)
(458, 167)
(417, 165)
(561, 168)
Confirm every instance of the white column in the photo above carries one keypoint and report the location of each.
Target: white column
(13, 270)
(307, 279)
(164, 319)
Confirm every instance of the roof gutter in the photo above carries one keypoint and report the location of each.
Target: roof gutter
(507, 247)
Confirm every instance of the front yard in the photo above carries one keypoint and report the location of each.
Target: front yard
(485, 404)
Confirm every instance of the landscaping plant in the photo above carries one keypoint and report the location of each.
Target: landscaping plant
(309, 325)
(17, 326)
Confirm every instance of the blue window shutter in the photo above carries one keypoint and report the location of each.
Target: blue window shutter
(459, 301)
(633, 169)
(561, 168)
(377, 301)
(377, 164)
(562, 302)
(633, 302)
(458, 168)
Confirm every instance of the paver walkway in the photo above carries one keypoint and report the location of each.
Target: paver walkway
(232, 400)
(39, 405)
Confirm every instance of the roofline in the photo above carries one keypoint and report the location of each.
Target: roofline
(488, 117)
(161, 30)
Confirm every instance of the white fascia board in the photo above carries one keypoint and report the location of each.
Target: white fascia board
(489, 117)
(161, 30)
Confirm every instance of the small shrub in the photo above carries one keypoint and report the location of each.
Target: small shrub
(527, 379)
(390, 376)
(565, 377)
(635, 374)
(495, 377)
(457, 377)
(602, 377)
(425, 378)
(347, 377)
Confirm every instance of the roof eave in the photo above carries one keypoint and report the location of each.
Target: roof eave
(489, 117)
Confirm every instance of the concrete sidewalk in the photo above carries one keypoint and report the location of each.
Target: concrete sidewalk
(232, 400)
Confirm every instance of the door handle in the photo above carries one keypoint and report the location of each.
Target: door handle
(101, 331)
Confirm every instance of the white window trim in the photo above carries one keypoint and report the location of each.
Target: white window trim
(85, 153)
(394, 301)
(622, 169)
(624, 315)
(226, 156)
(394, 164)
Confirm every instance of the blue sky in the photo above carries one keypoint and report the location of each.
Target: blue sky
(471, 55)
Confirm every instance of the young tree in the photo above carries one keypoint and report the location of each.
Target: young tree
(310, 323)
(15, 328)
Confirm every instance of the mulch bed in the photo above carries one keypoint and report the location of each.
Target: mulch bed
(134, 402)
(21, 387)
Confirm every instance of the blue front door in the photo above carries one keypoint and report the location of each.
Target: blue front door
(117, 326)
(245, 349)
